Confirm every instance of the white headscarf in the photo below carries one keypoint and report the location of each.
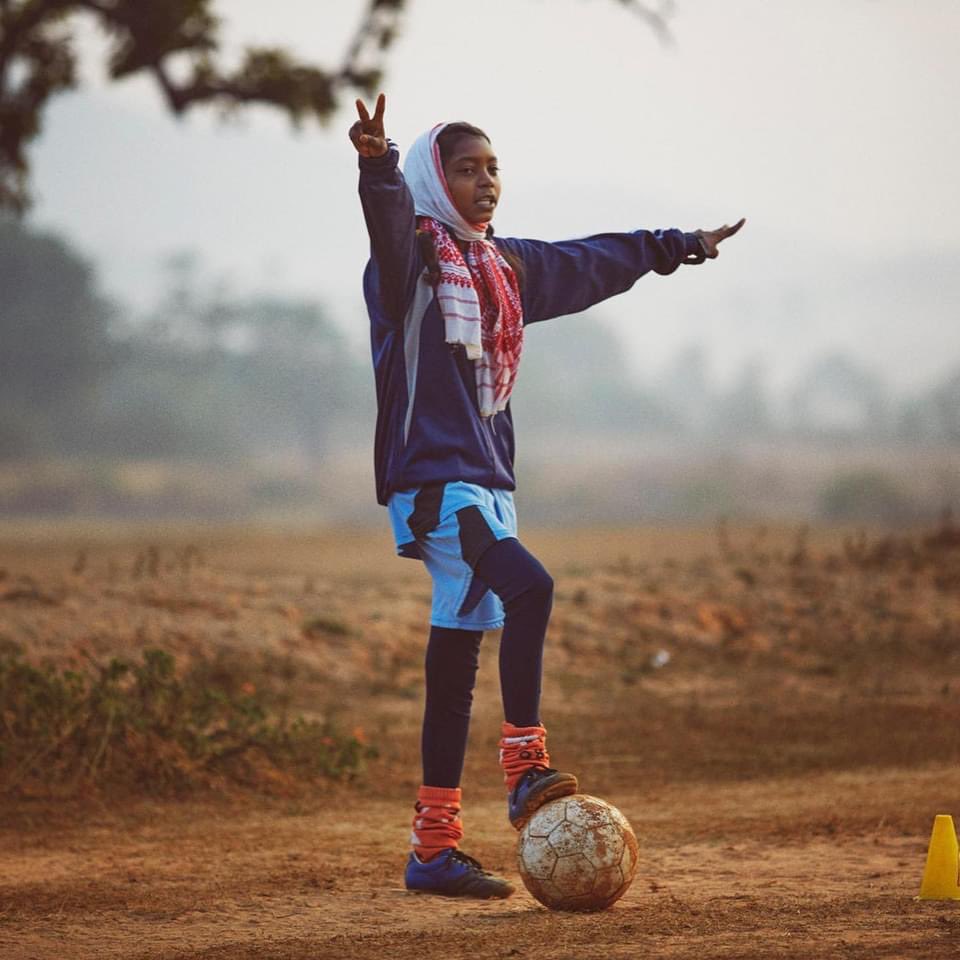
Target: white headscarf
(477, 291)
(423, 171)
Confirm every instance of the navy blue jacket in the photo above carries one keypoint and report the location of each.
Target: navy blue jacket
(429, 428)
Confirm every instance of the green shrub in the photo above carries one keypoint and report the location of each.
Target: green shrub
(330, 626)
(142, 727)
(865, 496)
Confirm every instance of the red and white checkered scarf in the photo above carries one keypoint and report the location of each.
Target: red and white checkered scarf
(478, 293)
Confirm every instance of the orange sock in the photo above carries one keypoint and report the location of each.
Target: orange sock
(520, 749)
(436, 822)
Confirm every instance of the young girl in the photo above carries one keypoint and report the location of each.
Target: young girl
(448, 304)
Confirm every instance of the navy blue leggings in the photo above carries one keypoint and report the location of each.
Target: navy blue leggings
(526, 591)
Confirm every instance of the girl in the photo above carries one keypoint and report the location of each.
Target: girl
(448, 304)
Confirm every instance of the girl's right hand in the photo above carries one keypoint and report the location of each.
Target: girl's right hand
(367, 133)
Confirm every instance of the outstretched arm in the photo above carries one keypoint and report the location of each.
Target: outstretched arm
(567, 277)
(388, 211)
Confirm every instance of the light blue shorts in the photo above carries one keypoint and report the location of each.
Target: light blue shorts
(449, 526)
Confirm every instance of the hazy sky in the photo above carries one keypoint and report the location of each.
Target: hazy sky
(831, 124)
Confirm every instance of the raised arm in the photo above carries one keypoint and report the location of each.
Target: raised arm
(388, 211)
(567, 277)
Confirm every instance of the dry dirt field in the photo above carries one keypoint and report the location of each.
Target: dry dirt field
(777, 714)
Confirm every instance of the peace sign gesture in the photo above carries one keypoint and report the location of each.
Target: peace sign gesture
(367, 133)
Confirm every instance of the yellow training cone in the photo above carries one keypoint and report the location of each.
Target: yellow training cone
(941, 876)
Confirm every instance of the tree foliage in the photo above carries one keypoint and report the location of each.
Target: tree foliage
(177, 43)
(148, 728)
(55, 336)
(205, 374)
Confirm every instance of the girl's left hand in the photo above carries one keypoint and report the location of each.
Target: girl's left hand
(711, 239)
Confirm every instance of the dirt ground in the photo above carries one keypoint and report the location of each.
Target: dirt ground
(775, 711)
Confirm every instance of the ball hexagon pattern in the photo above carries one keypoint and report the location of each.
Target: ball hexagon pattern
(577, 853)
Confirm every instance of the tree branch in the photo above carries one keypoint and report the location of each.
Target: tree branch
(146, 33)
(658, 19)
(15, 24)
(270, 76)
(379, 26)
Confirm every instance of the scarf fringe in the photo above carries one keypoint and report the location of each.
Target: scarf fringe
(479, 298)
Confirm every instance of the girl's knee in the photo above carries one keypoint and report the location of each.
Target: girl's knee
(541, 583)
(536, 587)
(512, 572)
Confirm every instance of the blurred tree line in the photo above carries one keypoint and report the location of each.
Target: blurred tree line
(207, 375)
(202, 376)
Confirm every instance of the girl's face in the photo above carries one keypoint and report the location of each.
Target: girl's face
(473, 178)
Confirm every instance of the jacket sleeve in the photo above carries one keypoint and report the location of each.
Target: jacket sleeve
(567, 277)
(391, 224)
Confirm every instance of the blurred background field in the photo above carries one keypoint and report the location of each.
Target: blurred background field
(743, 477)
(211, 739)
(211, 407)
(183, 335)
(238, 410)
(737, 652)
(742, 474)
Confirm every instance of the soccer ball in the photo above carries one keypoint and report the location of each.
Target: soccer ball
(577, 853)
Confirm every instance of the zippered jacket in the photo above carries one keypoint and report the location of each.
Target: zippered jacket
(429, 429)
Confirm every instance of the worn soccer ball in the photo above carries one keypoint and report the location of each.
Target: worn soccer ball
(577, 853)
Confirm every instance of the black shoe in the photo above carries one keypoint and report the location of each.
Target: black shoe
(534, 789)
(454, 874)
